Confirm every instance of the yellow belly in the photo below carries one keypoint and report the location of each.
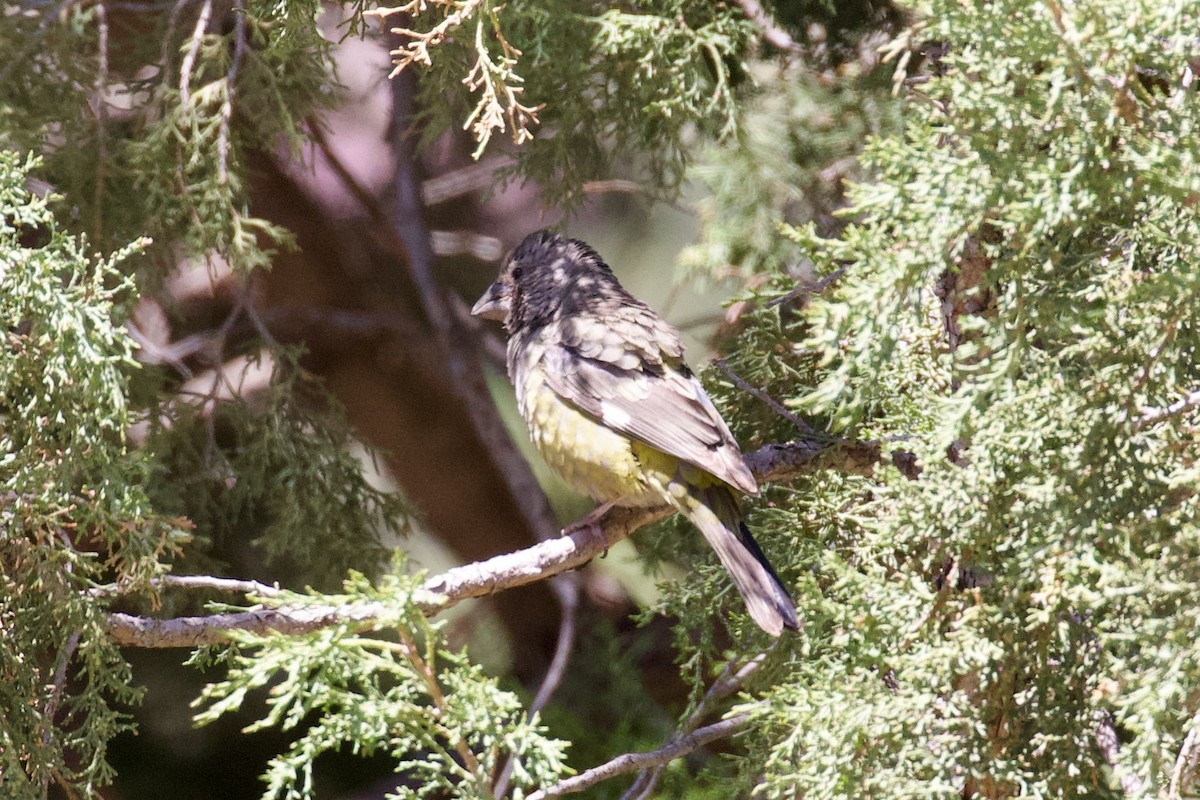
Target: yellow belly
(591, 458)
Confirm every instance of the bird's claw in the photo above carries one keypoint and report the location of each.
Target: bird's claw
(591, 523)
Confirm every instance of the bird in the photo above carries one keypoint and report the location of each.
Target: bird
(614, 410)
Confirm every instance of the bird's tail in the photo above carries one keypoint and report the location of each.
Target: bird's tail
(715, 512)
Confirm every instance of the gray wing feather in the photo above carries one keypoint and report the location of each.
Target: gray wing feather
(653, 402)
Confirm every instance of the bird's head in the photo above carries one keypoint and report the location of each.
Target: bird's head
(545, 275)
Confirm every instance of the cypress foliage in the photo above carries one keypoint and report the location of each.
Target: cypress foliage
(1009, 300)
(1017, 309)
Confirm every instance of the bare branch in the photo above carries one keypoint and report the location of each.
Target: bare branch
(189, 60)
(439, 592)
(577, 546)
(732, 678)
(239, 53)
(1150, 416)
(457, 243)
(614, 185)
(774, 463)
(772, 34)
(637, 761)
(1110, 749)
(1185, 763)
(474, 177)
(195, 582)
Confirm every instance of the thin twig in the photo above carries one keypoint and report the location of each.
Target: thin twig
(808, 288)
(1110, 748)
(425, 668)
(189, 59)
(239, 53)
(60, 679)
(566, 590)
(64, 784)
(219, 378)
(638, 761)
(101, 120)
(776, 406)
(699, 321)
(578, 545)
(1185, 83)
(56, 690)
(169, 35)
(60, 671)
(173, 354)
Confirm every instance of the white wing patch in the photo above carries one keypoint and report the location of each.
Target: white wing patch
(614, 415)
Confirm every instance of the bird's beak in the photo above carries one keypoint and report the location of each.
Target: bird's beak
(494, 304)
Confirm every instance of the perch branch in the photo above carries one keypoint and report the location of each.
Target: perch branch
(577, 546)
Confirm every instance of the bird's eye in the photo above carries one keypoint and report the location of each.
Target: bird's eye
(517, 273)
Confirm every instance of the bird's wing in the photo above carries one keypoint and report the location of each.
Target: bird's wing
(618, 375)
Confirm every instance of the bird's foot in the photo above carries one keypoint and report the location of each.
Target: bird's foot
(590, 523)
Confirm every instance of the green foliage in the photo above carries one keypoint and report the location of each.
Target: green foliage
(797, 138)
(449, 727)
(88, 501)
(273, 469)
(601, 82)
(74, 511)
(162, 150)
(1017, 309)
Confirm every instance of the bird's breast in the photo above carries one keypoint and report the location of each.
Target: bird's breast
(590, 458)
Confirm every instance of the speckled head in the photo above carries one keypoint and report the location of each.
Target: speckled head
(546, 275)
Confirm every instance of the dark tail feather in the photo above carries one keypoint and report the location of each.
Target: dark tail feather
(714, 511)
